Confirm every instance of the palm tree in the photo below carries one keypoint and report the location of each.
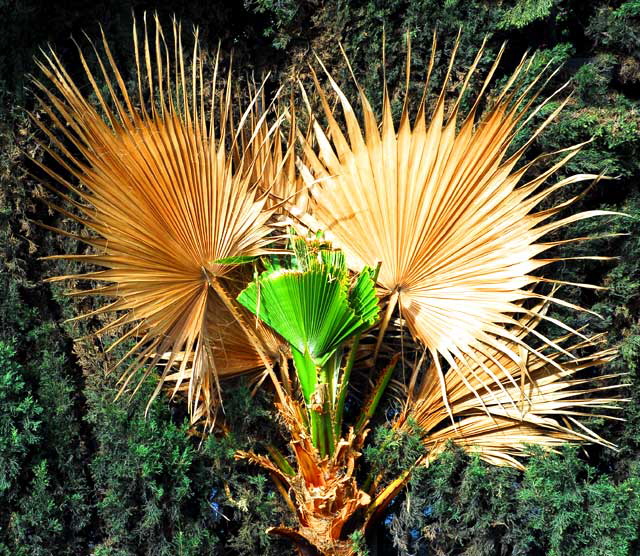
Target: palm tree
(421, 223)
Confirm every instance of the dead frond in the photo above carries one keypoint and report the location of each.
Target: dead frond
(172, 204)
(440, 203)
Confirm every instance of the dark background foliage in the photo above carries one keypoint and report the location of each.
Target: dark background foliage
(80, 474)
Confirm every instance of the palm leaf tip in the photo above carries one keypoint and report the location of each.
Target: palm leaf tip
(172, 206)
(442, 205)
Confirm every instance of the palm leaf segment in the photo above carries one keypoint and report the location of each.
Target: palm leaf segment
(168, 207)
(313, 306)
(273, 158)
(439, 204)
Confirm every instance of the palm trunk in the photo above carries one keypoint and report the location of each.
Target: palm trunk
(304, 538)
(323, 489)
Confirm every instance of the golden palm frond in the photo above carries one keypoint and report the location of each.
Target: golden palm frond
(272, 157)
(171, 203)
(232, 351)
(441, 205)
(501, 407)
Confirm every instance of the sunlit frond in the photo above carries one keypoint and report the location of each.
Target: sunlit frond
(443, 206)
(170, 202)
(500, 407)
(272, 157)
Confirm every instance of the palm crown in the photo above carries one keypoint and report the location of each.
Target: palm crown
(428, 222)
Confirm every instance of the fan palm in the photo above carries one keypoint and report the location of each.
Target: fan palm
(442, 207)
(429, 217)
(172, 203)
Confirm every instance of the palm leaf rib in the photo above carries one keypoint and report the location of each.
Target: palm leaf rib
(169, 198)
(444, 209)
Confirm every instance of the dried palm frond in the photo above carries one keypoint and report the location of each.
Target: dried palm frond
(232, 351)
(272, 157)
(172, 206)
(487, 420)
(441, 206)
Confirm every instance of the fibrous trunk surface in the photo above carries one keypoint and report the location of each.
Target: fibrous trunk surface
(323, 490)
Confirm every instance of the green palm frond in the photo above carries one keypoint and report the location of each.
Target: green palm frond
(313, 306)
